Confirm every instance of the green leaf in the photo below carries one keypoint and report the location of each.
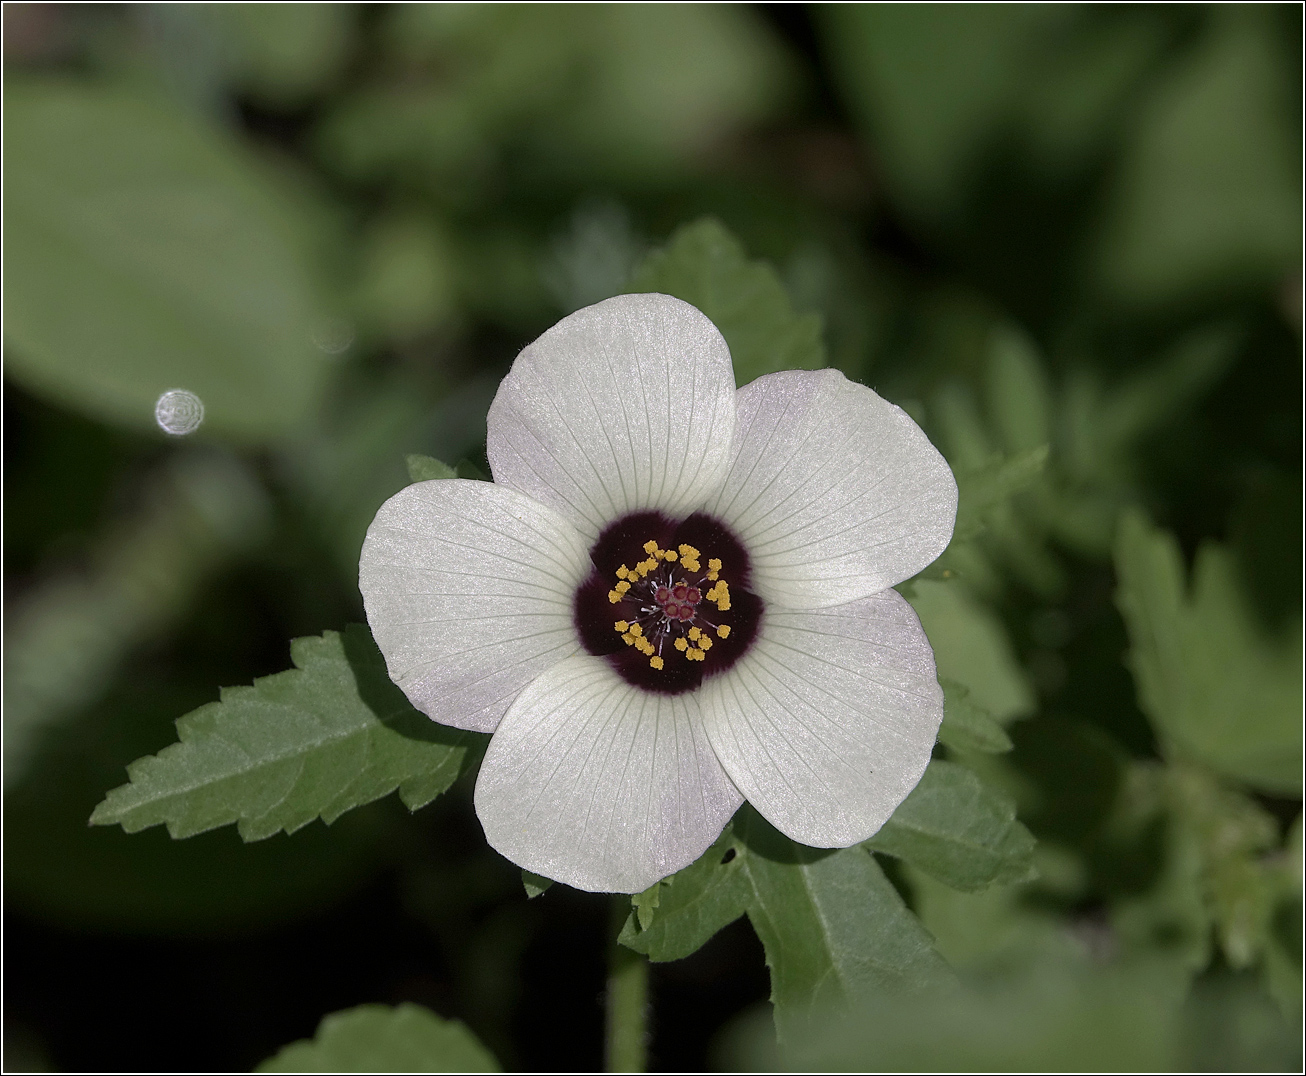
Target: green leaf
(705, 265)
(1207, 195)
(967, 726)
(331, 734)
(959, 830)
(832, 925)
(646, 903)
(534, 884)
(426, 468)
(981, 491)
(378, 1038)
(931, 85)
(1216, 689)
(694, 903)
(148, 252)
(972, 648)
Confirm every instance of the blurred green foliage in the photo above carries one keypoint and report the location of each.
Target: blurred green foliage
(1065, 238)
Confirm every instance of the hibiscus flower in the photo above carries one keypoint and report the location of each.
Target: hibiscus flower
(673, 597)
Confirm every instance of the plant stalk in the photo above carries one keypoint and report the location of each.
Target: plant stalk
(627, 999)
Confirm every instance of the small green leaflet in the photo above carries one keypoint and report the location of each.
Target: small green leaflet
(704, 264)
(1217, 690)
(427, 468)
(534, 884)
(378, 1038)
(833, 927)
(331, 734)
(959, 830)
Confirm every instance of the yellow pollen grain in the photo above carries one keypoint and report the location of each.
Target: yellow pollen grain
(688, 551)
(621, 625)
(705, 643)
(636, 630)
(622, 587)
(690, 565)
(628, 639)
(644, 645)
(712, 577)
(695, 655)
(670, 554)
(622, 572)
(694, 633)
(655, 661)
(650, 547)
(680, 644)
(714, 564)
(614, 596)
(723, 631)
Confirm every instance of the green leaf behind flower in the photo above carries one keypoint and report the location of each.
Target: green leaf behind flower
(378, 1038)
(705, 265)
(959, 830)
(833, 926)
(315, 741)
(967, 726)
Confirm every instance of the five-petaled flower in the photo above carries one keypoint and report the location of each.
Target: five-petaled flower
(673, 597)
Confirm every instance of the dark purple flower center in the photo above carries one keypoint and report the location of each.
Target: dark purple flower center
(667, 603)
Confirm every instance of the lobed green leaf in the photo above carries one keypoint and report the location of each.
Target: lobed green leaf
(705, 265)
(315, 741)
(378, 1038)
(1215, 687)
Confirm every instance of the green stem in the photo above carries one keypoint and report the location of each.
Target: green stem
(627, 1016)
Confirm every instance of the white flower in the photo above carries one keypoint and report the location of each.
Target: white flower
(673, 597)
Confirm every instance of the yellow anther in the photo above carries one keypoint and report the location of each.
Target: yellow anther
(694, 633)
(628, 639)
(644, 645)
(723, 631)
(614, 596)
(670, 554)
(690, 565)
(621, 625)
(695, 655)
(724, 604)
(712, 577)
(680, 643)
(688, 551)
(636, 630)
(705, 643)
(711, 594)
(622, 572)
(622, 587)
(714, 564)
(655, 661)
(650, 546)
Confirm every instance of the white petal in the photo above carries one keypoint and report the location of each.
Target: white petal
(835, 492)
(468, 589)
(628, 404)
(601, 785)
(828, 721)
